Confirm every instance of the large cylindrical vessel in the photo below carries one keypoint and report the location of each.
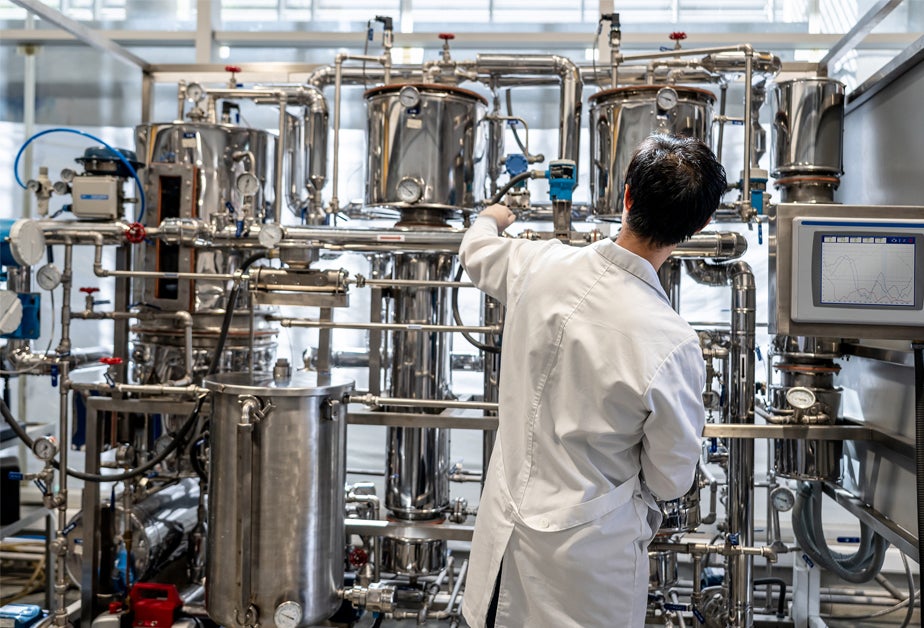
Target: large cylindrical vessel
(808, 127)
(276, 502)
(621, 118)
(417, 486)
(219, 174)
(425, 145)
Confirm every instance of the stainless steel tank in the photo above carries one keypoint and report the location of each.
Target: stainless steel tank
(425, 145)
(417, 476)
(681, 514)
(621, 118)
(276, 503)
(220, 174)
(808, 127)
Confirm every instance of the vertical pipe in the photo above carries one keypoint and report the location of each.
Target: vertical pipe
(60, 567)
(748, 131)
(493, 314)
(723, 100)
(67, 277)
(741, 451)
(281, 146)
(338, 86)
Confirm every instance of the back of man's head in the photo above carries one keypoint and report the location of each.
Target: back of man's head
(675, 185)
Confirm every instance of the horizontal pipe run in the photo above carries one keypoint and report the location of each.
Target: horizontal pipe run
(477, 329)
(141, 389)
(409, 283)
(376, 401)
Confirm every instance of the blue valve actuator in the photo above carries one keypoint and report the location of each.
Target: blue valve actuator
(562, 176)
(15, 476)
(54, 375)
(515, 164)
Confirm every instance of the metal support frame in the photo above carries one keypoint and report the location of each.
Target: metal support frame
(858, 33)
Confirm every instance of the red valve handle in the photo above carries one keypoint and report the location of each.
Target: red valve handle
(358, 557)
(447, 36)
(111, 361)
(677, 35)
(135, 233)
(89, 290)
(233, 68)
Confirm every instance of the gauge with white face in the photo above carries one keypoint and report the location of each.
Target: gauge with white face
(667, 99)
(288, 615)
(270, 235)
(61, 188)
(48, 277)
(409, 190)
(195, 92)
(68, 175)
(782, 499)
(247, 184)
(45, 448)
(27, 242)
(10, 312)
(409, 96)
(800, 398)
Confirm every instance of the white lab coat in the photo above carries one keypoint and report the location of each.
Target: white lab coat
(600, 406)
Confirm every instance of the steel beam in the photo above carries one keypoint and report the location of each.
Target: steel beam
(858, 33)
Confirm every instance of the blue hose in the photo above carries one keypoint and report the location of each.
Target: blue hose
(114, 151)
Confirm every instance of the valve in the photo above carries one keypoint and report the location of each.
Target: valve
(233, 69)
(677, 37)
(135, 233)
(90, 301)
(113, 363)
(358, 557)
(446, 37)
(89, 291)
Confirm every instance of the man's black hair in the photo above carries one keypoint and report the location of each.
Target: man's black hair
(675, 185)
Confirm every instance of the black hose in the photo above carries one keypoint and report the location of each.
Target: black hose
(919, 446)
(523, 176)
(229, 315)
(177, 441)
(781, 601)
(457, 317)
(856, 568)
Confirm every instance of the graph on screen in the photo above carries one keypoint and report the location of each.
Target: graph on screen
(872, 270)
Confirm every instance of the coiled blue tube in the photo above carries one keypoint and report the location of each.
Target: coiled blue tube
(95, 139)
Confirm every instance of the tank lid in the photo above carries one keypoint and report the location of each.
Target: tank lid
(299, 385)
(425, 87)
(641, 89)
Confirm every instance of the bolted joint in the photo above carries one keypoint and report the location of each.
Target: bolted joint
(377, 598)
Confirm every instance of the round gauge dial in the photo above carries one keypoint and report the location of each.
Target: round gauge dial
(45, 448)
(270, 235)
(782, 499)
(247, 184)
(10, 312)
(27, 242)
(288, 615)
(800, 398)
(68, 175)
(667, 98)
(409, 96)
(48, 277)
(409, 190)
(61, 188)
(195, 92)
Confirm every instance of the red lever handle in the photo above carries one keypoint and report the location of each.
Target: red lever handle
(446, 36)
(233, 68)
(677, 35)
(89, 290)
(111, 361)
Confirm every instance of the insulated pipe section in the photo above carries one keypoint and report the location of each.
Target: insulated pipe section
(569, 112)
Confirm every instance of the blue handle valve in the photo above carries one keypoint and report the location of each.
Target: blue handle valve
(54, 375)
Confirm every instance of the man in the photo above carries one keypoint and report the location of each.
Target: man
(600, 403)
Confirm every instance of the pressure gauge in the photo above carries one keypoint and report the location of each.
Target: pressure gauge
(782, 499)
(10, 312)
(410, 190)
(270, 235)
(247, 184)
(800, 398)
(48, 277)
(27, 242)
(667, 98)
(68, 175)
(45, 448)
(288, 615)
(409, 96)
(61, 188)
(194, 92)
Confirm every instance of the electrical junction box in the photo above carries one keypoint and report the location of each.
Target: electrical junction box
(96, 197)
(19, 615)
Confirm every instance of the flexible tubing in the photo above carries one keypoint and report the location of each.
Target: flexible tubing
(114, 151)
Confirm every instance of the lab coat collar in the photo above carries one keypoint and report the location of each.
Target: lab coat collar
(631, 263)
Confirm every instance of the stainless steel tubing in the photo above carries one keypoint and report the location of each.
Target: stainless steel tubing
(385, 402)
(716, 245)
(748, 132)
(409, 327)
(569, 111)
(60, 500)
(73, 232)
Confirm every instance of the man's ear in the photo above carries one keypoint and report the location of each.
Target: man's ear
(627, 200)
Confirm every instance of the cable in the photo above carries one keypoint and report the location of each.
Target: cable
(516, 136)
(114, 151)
(523, 176)
(177, 441)
(457, 317)
(229, 315)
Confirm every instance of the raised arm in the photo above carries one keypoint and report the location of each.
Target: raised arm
(485, 255)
